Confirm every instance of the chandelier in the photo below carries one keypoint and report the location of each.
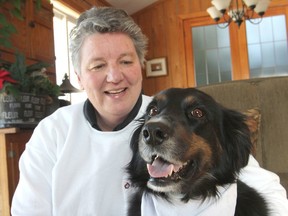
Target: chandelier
(237, 11)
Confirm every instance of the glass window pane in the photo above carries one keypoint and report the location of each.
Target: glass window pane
(212, 56)
(279, 33)
(202, 79)
(210, 36)
(281, 53)
(225, 66)
(64, 20)
(253, 36)
(266, 30)
(212, 64)
(255, 60)
(197, 35)
(269, 55)
(255, 73)
(200, 67)
(223, 37)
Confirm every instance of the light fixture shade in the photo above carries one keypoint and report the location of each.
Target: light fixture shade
(214, 13)
(221, 4)
(66, 86)
(262, 6)
(250, 3)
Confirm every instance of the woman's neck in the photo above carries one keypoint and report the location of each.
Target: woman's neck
(108, 124)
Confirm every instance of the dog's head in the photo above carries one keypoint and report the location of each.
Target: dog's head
(188, 144)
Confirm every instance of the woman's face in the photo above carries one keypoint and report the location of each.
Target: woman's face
(111, 75)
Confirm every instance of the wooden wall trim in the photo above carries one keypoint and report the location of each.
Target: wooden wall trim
(4, 189)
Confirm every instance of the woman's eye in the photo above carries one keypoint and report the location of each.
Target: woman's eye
(126, 62)
(197, 113)
(153, 111)
(98, 67)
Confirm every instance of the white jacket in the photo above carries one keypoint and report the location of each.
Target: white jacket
(69, 168)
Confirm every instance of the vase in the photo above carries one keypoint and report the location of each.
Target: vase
(24, 111)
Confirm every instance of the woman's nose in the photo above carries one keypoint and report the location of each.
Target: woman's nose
(114, 74)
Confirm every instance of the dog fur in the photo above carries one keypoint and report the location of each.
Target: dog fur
(198, 143)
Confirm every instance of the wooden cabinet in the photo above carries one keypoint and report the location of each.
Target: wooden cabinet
(12, 144)
(34, 36)
(41, 38)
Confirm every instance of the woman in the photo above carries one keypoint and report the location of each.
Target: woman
(74, 162)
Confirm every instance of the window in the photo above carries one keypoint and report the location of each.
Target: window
(215, 55)
(267, 47)
(211, 46)
(64, 20)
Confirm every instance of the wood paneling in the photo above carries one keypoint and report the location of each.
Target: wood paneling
(12, 144)
(162, 24)
(165, 29)
(34, 37)
(81, 6)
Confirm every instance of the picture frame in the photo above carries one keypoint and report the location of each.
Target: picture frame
(156, 67)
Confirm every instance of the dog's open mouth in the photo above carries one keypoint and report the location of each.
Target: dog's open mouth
(164, 170)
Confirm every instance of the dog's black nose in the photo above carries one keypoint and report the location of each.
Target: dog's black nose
(155, 133)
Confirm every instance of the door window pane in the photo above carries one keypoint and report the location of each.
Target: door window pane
(211, 48)
(267, 47)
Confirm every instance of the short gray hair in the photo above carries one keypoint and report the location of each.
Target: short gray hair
(104, 20)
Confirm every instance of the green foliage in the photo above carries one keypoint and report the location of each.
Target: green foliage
(31, 78)
(7, 28)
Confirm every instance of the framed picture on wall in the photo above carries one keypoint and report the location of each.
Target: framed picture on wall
(156, 67)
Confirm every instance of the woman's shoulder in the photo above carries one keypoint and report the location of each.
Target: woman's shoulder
(64, 114)
(69, 109)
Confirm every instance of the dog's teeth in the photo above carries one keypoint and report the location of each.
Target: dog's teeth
(171, 172)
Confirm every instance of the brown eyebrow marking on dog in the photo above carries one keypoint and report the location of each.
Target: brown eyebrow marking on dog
(189, 100)
(160, 97)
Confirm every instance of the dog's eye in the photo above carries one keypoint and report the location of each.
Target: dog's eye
(198, 113)
(153, 111)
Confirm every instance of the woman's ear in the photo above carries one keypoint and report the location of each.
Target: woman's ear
(79, 80)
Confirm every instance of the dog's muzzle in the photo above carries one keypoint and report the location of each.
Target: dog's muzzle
(156, 146)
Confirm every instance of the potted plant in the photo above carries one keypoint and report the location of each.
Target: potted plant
(26, 93)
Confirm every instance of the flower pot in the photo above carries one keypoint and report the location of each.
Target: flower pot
(24, 111)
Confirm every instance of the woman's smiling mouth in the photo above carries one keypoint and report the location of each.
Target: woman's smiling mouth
(115, 92)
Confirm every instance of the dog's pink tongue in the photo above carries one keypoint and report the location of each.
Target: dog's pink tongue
(159, 169)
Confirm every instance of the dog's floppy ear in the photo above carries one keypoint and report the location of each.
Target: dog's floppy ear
(137, 166)
(135, 136)
(236, 141)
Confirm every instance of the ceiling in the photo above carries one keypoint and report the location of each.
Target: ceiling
(131, 6)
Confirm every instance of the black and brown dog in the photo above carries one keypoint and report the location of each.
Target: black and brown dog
(189, 144)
